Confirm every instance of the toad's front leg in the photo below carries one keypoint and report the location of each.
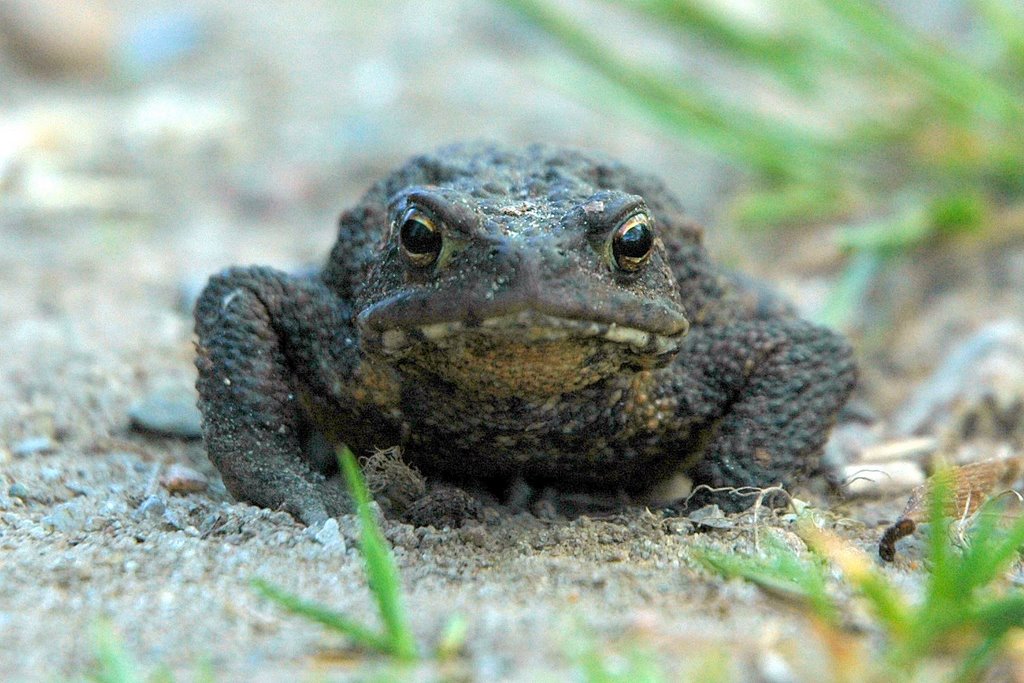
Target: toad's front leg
(260, 331)
(781, 383)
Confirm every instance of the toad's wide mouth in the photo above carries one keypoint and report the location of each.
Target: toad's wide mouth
(531, 327)
(647, 327)
(521, 344)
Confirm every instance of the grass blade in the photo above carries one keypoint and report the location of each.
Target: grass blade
(115, 666)
(382, 574)
(949, 77)
(942, 579)
(789, 205)
(359, 634)
(1005, 19)
(781, 55)
(453, 637)
(769, 146)
(988, 552)
(886, 601)
(845, 298)
(781, 573)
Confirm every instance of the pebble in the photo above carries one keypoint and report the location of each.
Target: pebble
(67, 517)
(50, 474)
(140, 466)
(181, 479)
(281, 518)
(168, 413)
(14, 521)
(18, 490)
(710, 516)
(173, 519)
(329, 536)
(152, 506)
(113, 507)
(33, 445)
(773, 668)
(78, 488)
(883, 478)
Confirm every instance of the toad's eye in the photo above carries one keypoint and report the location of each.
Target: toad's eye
(420, 236)
(633, 242)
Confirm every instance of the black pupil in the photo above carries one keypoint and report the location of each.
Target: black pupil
(636, 241)
(419, 238)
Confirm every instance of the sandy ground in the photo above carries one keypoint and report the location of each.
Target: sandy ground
(118, 195)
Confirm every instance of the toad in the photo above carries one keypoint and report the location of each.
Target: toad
(507, 315)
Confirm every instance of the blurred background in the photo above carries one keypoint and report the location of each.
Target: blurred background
(865, 157)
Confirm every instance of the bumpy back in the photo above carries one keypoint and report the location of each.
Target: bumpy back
(486, 167)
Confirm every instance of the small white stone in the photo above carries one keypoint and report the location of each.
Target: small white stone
(329, 536)
(914, 448)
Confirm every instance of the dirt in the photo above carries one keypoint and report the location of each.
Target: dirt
(120, 193)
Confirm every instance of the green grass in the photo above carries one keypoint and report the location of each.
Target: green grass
(396, 639)
(113, 663)
(635, 666)
(962, 618)
(909, 141)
